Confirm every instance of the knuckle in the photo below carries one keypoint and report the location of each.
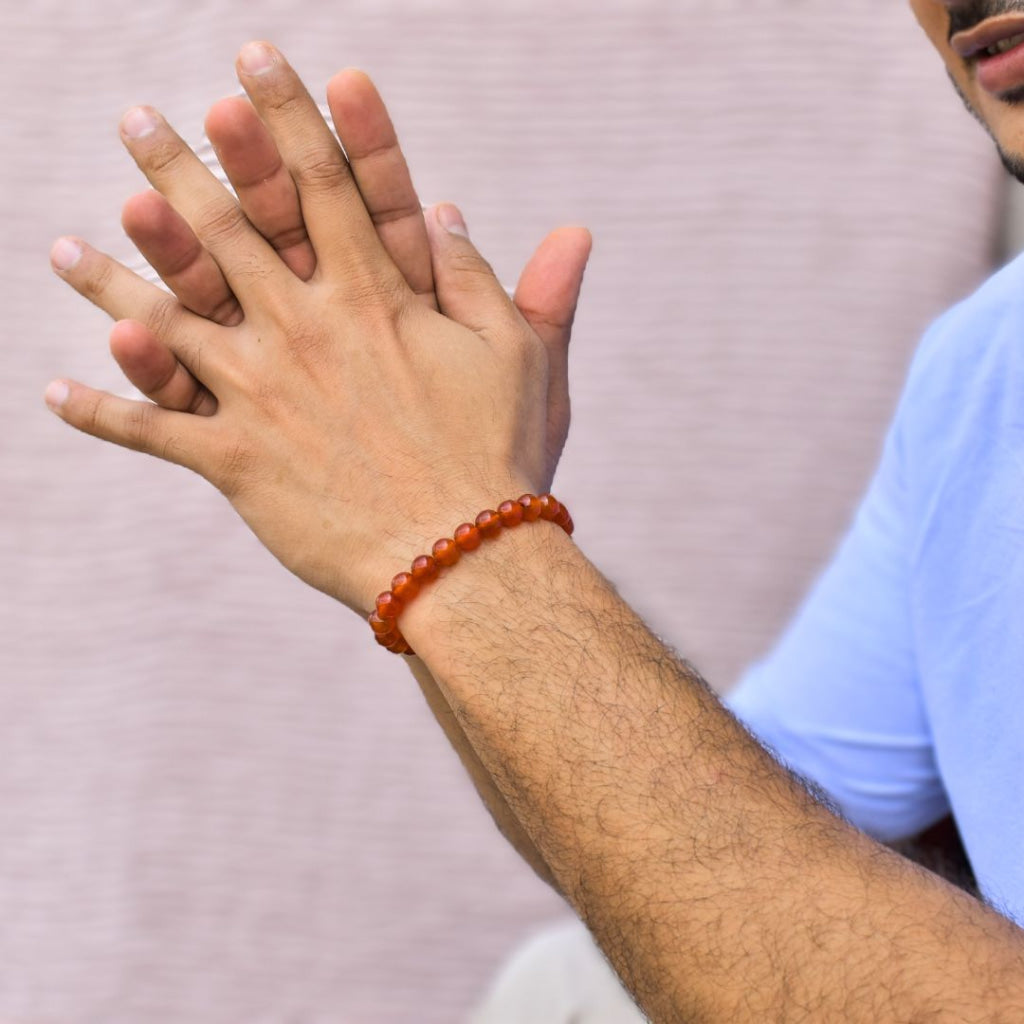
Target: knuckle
(471, 263)
(235, 465)
(163, 317)
(138, 425)
(286, 101)
(162, 158)
(376, 297)
(321, 170)
(97, 283)
(221, 222)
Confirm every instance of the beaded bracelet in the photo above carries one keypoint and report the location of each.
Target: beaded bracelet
(448, 550)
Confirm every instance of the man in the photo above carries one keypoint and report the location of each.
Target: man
(719, 888)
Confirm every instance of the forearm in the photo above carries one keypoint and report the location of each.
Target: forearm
(508, 824)
(718, 887)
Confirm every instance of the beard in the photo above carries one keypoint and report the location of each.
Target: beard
(1013, 162)
(968, 15)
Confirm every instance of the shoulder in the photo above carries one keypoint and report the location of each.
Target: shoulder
(965, 389)
(965, 346)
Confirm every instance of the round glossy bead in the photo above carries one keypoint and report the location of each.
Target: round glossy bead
(379, 625)
(563, 519)
(467, 537)
(570, 527)
(424, 569)
(510, 513)
(400, 646)
(404, 587)
(447, 552)
(388, 606)
(531, 507)
(387, 639)
(489, 523)
(549, 507)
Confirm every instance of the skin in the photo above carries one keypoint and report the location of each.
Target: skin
(546, 295)
(719, 888)
(1004, 121)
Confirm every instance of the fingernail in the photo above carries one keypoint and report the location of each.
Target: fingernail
(64, 254)
(138, 122)
(451, 220)
(56, 394)
(256, 58)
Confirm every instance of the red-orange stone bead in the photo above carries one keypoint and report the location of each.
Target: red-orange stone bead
(550, 506)
(467, 537)
(387, 639)
(388, 606)
(489, 523)
(510, 513)
(400, 646)
(424, 569)
(563, 519)
(570, 527)
(379, 625)
(404, 587)
(447, 552)
(531, 507)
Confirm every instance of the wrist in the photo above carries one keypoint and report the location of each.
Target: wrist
(492, 592)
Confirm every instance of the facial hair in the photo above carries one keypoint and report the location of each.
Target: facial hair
(969, 15)
(1013, 163)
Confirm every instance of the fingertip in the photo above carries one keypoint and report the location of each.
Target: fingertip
(450, 218)
(65, 254)
(257, 57)
(56, 395)
(224, 114)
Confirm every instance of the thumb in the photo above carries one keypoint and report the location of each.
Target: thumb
(467, 290)
(549, 288)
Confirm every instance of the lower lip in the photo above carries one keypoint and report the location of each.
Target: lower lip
(1002, 73)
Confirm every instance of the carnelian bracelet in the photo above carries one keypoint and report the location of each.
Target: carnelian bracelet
(448, 550)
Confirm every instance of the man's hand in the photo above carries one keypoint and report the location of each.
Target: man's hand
(546, 296)
(345, 431)
(269, 198)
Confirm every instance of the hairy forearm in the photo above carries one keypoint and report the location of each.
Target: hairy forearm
(719, 888)
(508, 824)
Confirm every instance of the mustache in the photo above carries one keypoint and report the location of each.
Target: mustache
(968, 15)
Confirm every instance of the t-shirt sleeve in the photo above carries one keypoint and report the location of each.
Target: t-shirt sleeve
(838, 699)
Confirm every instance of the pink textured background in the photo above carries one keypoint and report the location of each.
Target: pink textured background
(218, 802)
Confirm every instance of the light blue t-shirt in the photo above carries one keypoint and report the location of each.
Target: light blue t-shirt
(899, 687)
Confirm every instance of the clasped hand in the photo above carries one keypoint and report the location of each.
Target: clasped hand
(353, 385)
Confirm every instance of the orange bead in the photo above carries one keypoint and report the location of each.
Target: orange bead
(424, 569)
(489, 523)
(446, 552)
(379, 625)
(510, 513)
(387, 639)
(467, 537)
(531, 507)
(388, 606)
(570, 527)
(549, 507)
(404, 587)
